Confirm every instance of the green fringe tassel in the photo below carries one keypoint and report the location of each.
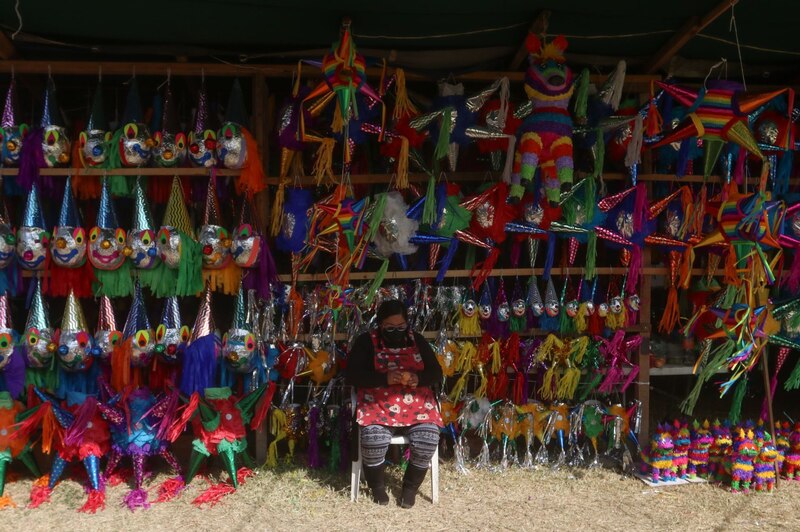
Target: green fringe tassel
(589, 198)
(793, 382)
(518, 324)
(376, 216)
(589, 386)
(469, 258)
(718, 361)
(582, 95)
(429, 209)
(119, 185)
(114, 283)
(591, 255)
(190, 270)
(443, 142)
(377, 282)
(600, 156)
(736, 404)
(566, 325)
(43, 378)
(161, 281)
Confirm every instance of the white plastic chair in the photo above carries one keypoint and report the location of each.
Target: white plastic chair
(357, 465)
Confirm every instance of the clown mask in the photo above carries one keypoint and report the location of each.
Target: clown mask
(39, 347)
(231, 148)
(107, 248)
(239, 350)
(216, 244)
(105, 342)
(135, 145)
(169, 149)
(75, 350)
(469, 307)
(168, 244)
(144, 248)
(12, 138)
(201, 148)
(246, 246)
(615, 305)
(518, 308)
(55, 146)
(142, 348)
(32, 245)
(170, 342)
(93, 150)
(8, 241)
(602, 310)
(503, 312)
(537, 308)
(485, 311)
(69, 246)
(6, 347)
(633, 302)
(571, 308)
(551, 308)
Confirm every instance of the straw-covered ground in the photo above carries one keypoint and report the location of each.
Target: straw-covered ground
(298, 499)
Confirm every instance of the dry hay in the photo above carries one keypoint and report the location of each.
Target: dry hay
(296, 498)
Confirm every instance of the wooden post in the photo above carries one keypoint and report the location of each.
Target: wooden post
(261, 200)
(768, 391)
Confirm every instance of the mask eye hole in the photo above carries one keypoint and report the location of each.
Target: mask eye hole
(120, 236)
(131, 130)
(185, 333)
(33, 337)
(83, 339)
(180, 141)
(79, 235)
(114, 338)
(250, 342)
(157, 137)
(225, 339)
(5, 341)
(160, 331)
(146, 239)
(142, 338)
(94, 234)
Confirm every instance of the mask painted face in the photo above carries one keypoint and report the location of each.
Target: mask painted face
(552, 308)
(93, 147)
(55, 146)
(8, 242)
(32, 245)
(239, 350)
(231, 146)
(135, 145)
(469, 307)
(246, 246)
(590, 308)
(142, 348)
(39, 347)
(6, 347)
(201, 148)
(170, 342)
(169, 149)
(105, 342)
(216, 244)
(615, 305)
(537, 308)
(484, 311)
(602, 310)
(518, 307)
(144, 249)
(75, 350)
(168, 244)
(106, 248)
(633, 302)
(69, 246)
(12, 143)
(571, 308)
(503, 312)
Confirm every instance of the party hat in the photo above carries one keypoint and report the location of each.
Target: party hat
(69, 215)
(141, 210)
(240, 320)
(170, 148)
(51, 113)
(106, 214)
(535, 301)
(9, 119)
(171, 314)
(37, 314)
(33, 216)
(133, 104)
(201, 116)
(203, 136)
(169, 116)
(235, 111)
(176, 214)
(5, 313)
(137, 316)
(204, 323)
(211, 214)
(73, 319)
(97, 117)
(106, 321)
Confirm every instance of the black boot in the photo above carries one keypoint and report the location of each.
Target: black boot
(411, 483)
(375, 477)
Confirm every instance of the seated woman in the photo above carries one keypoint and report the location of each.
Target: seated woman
(393, 368)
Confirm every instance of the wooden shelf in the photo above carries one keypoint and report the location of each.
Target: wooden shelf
(672, 370)
(125, 171)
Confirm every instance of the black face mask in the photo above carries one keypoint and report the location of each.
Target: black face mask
(394, 338)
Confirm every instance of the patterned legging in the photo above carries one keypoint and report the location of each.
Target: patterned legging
(423, 440)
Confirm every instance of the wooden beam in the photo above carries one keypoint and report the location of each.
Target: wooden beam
(692, 27)
(538, 27)
(7, 48)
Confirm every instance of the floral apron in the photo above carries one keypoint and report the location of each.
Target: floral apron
(397, 405)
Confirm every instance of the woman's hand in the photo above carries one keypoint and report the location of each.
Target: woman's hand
(394, 377)
(412, 380)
